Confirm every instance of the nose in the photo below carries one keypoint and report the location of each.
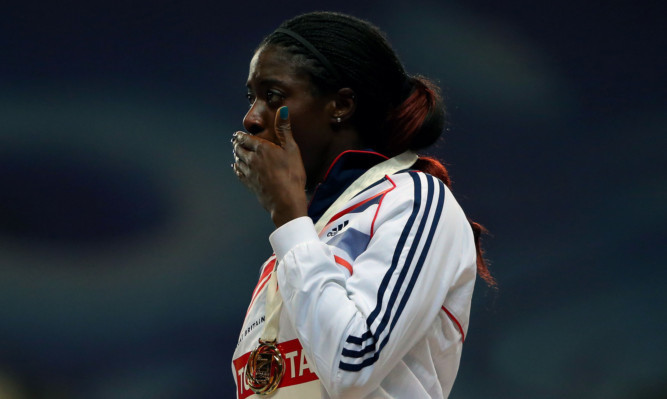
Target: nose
(253, 122)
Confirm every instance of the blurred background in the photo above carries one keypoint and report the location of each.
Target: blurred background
(128, 250)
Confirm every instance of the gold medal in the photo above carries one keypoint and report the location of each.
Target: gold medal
(265, 368)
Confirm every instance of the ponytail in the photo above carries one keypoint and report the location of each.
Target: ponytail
(482, 264)
(417, 123)
(419, 120)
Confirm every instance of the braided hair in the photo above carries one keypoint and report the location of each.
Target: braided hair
(394, 112)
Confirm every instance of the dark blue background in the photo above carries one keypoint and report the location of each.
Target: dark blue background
(128, 251)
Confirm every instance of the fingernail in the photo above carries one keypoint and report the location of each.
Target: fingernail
(284, 113)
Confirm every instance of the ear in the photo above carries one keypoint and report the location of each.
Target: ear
(343, 105)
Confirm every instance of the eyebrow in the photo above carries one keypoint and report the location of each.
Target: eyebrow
(266, 82)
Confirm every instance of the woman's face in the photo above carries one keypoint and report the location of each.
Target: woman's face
(275, 81)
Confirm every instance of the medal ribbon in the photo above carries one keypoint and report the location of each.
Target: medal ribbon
(274, 304)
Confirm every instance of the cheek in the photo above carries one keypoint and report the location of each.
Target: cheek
(303, 139)
(312, 133)
(314, 144)
(309, 129)
(307, 135)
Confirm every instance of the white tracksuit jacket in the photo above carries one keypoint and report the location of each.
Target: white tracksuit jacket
(376, 305)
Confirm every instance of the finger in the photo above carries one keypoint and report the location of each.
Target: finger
(283, 127)
(237, 171)
(241, 154)
(246, 141)
(242, 170)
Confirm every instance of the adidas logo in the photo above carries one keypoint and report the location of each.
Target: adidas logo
(337, 229)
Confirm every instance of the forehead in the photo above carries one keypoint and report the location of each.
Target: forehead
(271, 63)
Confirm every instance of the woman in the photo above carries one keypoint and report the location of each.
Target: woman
(368, 292)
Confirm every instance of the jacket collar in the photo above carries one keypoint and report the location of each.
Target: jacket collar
(344, 170)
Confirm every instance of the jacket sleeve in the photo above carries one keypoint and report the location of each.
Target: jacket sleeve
(356, 328)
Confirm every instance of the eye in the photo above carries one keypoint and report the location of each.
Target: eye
(274, 98)
(251, 98)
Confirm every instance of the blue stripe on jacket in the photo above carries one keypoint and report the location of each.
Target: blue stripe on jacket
(386, 316)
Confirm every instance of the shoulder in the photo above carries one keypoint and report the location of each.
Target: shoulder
(416, 187)
(409, 196)
(421, 195)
